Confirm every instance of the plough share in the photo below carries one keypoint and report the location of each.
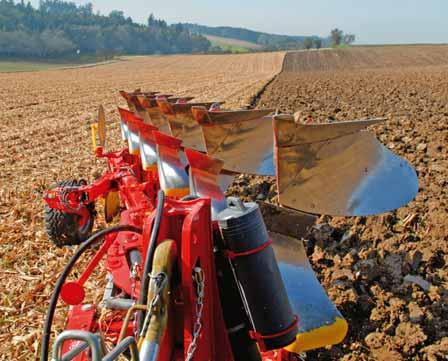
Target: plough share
(191, 274)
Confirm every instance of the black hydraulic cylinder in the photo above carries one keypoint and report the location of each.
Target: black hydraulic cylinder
(257, 274)
(243, 347)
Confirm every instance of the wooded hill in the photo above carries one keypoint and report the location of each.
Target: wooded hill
(265, 40)
(58, 29)
(64, 30)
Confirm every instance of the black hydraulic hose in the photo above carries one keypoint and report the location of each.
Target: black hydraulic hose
(92, 240)
(143, 299)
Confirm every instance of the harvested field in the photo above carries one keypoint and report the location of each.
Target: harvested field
(45, 137)
(387, 274)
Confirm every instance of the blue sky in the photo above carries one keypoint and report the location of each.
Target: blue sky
(380, 21)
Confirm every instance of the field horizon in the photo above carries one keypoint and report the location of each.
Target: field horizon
(416, 57)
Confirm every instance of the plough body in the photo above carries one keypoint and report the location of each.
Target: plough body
(189, 270)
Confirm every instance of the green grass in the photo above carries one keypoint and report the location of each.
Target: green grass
(19, 66)
(341, 46)
(232, 45)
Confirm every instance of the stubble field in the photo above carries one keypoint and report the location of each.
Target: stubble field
(362, 262)
(45, 137)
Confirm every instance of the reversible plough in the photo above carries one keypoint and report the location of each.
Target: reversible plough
(191, 274)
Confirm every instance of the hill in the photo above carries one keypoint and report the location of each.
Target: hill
(265, 40)
(58, 29)
(232, 45)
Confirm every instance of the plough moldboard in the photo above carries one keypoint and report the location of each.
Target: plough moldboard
(192, 274)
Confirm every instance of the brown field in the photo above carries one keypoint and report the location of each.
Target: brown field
(366, 57)
(45, 137)
(361, 261)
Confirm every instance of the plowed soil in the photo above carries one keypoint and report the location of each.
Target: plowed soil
(387, 274)
(364, 263)
(365, 58)
(45, 137)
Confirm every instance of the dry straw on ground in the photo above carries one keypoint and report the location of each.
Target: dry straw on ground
(45, 137)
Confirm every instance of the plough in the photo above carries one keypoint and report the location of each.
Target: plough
(191, 274)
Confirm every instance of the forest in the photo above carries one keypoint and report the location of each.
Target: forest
(59, 29)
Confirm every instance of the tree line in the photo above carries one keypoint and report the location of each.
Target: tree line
(64, 29)
(59, 29)
(336, 39)
(339, 38)
(272, 42)
(268, 42)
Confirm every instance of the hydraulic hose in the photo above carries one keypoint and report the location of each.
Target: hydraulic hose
(143, 299)
(91, 241)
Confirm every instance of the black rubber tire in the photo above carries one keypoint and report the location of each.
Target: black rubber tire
(63, 228)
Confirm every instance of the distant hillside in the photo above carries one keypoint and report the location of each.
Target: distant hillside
(265, 40)
(232, 45)
(59, 29)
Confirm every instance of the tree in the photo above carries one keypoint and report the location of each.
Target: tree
(317, 43)
(308, 43)
(55, 43)
(117, 16)
(178, 28)
(337, 36)
(349, 39)
(151, 20)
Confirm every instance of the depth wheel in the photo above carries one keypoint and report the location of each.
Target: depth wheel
(64, 229)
